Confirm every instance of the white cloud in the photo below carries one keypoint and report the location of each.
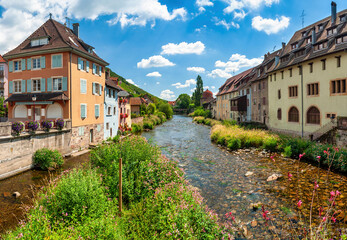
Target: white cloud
(239, 15)
(200, 29)
(167, 95)
(183, 48)
(33, 13)
(238, 61)
(226, 25)
(154, 74)
(196, 69)
(219, 73)
(270, 26)
(155, 61)
(132, 82)
(247, 4)
(157, 83)
(202, 3)
(186, 84)
(213, 87)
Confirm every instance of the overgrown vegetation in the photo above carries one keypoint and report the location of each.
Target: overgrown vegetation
(201, 112)
(158, 202)
(45, 158)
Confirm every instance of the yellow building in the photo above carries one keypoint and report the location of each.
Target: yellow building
(307, 89)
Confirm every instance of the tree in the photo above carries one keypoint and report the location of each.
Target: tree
(3, 107)
(183, 101)
(167, 109)
(198, 91)
(151, 108)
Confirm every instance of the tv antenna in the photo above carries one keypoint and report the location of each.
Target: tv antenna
(303, 18)
(67, 21)
(274, 48)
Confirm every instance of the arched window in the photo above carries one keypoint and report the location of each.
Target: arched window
(313, 115)
(279, 114)
(20, 111)
(55, 111)
(293, 115)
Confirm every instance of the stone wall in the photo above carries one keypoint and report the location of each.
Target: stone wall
(81, 136)
(16, 152)
(138, 120)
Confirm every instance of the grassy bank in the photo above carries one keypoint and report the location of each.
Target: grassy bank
(235, 137)
(149, 122)
(158, 202)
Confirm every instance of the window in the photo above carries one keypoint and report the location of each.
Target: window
(308, 40)
(312, 89)
(114, 93)
(114, 110)
(323, 64)
(313, 115)
(285, 58)
(311, 67)
(343, 18)
(39, 42)
(293, 91)
(270, 78)
(282, 74)
(338, 86)
(338, 61)
(320, 27)
(293, 115)
(279, 114)
(279, 94)
(83, 110)
(300, 70)
(263, 85)
(57, 61)
(331, 115)
(247, 90)
(290, 72)
(97, 110)
(36, 63)
(300, 53)
(57, 84)
(264, 100)
(107, 126)
(321, 46)
(331, 31)
(274, 76)
(341, 39)
(97, 89)
(259, 86)
(36, 85)
(17, 65)
(295, 45)
(108, 110)
(17, 86)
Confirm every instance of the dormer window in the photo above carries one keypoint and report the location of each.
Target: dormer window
(320, 27)
(303, 34)
(295, 45)
(90, 50)
(285, 59)
(321, 46)
(341, 39)
(300, 53)
(308, 40)
(343, 18)
(331, 31)
(39, 42)
(259, 72)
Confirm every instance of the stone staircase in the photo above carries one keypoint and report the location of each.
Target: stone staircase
(316, 135)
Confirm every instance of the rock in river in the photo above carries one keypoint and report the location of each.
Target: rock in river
(274, 177)
(16, 194)
(248, 174)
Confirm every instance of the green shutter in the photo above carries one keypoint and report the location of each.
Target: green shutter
(79, 65)
(43, 62)
(83, 111)
(23, 64)
(97, 110)
(87, 68)
(10, 87)
(49, 84)
(43, 85)
(59, 60)
(29, 63)
(29, 85)
(23, 86)
(10, 66)
(94, 69)
(83, 86)
(100, 89)
(64, 83)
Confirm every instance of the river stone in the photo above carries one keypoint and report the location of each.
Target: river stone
(16, 194)
(274, 177)
(254, 223)
(248, 174)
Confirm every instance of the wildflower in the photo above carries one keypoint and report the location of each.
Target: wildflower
(318, 158)
(290, 176)
(316, 185)
(265, 213)
(324, 219)
(337, 193)
(272, 158)
(299, 203)
(332, 194)
(327, 152)
(20, 235)
(333, 219)
(301, 155)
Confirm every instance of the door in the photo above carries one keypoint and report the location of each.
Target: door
(91, 136)
(111, 132)
(37, 114)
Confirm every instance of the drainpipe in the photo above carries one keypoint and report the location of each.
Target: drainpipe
(302, 101)
(70, 89)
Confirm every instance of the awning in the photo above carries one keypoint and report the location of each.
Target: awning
(27, 97)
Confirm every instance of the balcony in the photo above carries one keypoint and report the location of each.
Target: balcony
(238, 104)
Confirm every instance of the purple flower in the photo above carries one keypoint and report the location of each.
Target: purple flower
(59, 123)
(46, 125)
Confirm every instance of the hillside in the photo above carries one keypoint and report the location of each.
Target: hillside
(134, 90)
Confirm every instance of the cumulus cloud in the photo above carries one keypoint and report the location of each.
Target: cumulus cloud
(155, 61)
(186, 84)
(33, 13)
(200, 29)
(270, 26)
(247, 4)
(183, 48)
(219, 73)
(154, 74)
(225, 24)
(239, 15)
(202, 3)
(167, 95)
(132, 82)
(196, 69)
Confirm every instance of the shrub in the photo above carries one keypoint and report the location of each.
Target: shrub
(229, 123)
(162, 116)
(17, 127)
(134, 115)
(270, 144)
(151, 108)
(166, 109)
(46, 125)
(234, 144)
(287, 151)
(45, 158)
(33, 125)
(59, 123)
(136, 128)
(147, 125)
(298, 146)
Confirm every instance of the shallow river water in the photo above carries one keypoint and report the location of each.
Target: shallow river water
(220, 177)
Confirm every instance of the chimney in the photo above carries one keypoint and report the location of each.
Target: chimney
(314, 35)
(283, 45)
(333, 12)
(76, 29)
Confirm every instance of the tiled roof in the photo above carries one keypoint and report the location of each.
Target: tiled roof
(112, 84)
(2, 60)
(231, 84)
(59, 36)
(135, 101)
(39, 97)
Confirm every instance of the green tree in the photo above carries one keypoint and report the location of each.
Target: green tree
(198, 91)
(151, 108)
(143, 109)
(3, 107)
(183, 101)
(167, 109)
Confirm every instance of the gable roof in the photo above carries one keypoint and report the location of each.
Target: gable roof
(2, 60)
(230, 84)
(112, 84)
(60, 38)
(135, 101)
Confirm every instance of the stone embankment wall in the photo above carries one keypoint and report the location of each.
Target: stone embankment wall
(138, 120)
(16, 152)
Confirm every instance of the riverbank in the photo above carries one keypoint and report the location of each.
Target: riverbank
(159, 203)
(149, 122)
(234, 137)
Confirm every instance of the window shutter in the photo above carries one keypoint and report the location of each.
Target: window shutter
(100, 69)
(83, 86)
(97, 110)
(29, 63)
(83, 111)
(10, 87)
(23, 86)
(23, 64)
(49, 84)
(94, 88)
(64, 83)
(29, 85)
(43, 62)
(59, 60)
(79, 64)
(87, 66)
(43, 85)
(94, 68)
(10, 66)
(100, 89)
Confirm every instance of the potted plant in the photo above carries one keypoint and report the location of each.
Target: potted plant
(33, 126)
(17, 127)
(46, 125)
(59, 123)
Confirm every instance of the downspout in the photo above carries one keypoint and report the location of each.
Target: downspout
(70, 89)
(302, 101)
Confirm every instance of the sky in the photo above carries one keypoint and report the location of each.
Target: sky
(163, 45)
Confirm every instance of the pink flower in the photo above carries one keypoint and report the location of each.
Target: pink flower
(332, 194)
(333, 219)
(299, 203)
(316, 185)
(318, 158)
(338, 193)
(290, 176)
(272, 158)
(301, 155)
(324, 219)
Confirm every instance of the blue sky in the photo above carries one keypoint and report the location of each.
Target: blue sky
(163, 45)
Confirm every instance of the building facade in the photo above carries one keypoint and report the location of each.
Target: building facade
(111, 109)
(3, 78)
(307, 90)
(135, 104)
(54, 74)
(124, 110)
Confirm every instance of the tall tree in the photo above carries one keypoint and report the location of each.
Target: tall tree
(183, 101)
(198, 91)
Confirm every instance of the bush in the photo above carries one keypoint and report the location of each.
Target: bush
(298, 146)
(287, 151)
(17, 127)
(136, 128)
(147, 125)
(229, 123)
(166, 109)
(270, 144)
(151, 108)
(134, 115)
(45, 158)
(234, 144)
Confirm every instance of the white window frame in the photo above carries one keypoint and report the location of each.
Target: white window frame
(20, 85)
(82, 79)
(32, 63)
(83, 65)
(86, 111)
(57, 77)
(52, 61)
(14, 65)
(39, 41)
(32, 84)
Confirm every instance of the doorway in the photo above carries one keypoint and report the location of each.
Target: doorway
(110, 132)
(91, 136)
(37, 113)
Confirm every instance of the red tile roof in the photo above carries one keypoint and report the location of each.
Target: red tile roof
(135, 101)
(2, 60)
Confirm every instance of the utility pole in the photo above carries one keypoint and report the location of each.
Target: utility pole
(303, 18)
(120, 187)
(302, 100)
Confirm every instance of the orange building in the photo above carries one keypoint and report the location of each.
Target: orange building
(54, 74)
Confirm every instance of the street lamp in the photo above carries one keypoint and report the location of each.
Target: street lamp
(34, 98)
